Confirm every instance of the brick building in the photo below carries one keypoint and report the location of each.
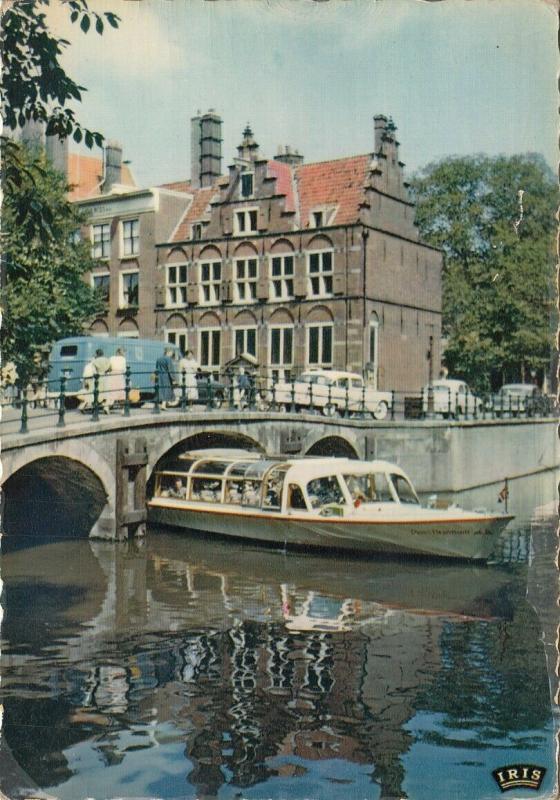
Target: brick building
(305, 265)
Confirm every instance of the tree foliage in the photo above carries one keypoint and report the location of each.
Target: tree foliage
(45, 297)
(34, 87)
(494, 218)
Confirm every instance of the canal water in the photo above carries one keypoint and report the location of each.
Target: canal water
(185, 667)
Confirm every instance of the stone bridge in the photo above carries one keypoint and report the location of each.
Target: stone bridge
(98, 471)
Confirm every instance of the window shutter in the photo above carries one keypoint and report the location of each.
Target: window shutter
(339, 282)
(262, 288)
(192, 294)
(227, 220)
(160, 296)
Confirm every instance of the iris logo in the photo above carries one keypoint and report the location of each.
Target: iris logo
(526, 776)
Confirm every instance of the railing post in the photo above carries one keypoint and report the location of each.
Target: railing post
(127, 391)
(448, 403)
(231, 391)
(392, 404)
(329, 398)
(23, 427)
(61, 403)
(475, 410)
(274, 395)
(363, 400)
(310, 391)
(95, 406)
(347, 401)
(510, 405)
(209, 397)
(183, 403)
(293, 405)
(157, 409)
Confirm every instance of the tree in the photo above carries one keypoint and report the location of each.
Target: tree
(35, 87)
(45, 297)
(494, 218)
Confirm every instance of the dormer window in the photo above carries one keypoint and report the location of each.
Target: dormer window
(246, 221)
(247, 184)
(321, 216)
(196, 231)
(318, 221)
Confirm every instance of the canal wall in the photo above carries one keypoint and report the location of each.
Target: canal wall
(452, 457)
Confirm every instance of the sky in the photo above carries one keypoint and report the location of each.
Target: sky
(457, 77)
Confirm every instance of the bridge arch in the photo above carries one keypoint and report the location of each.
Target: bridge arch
(174, 442)
(70, 480)
(340, 446)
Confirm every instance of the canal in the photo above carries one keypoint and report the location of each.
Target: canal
(185, 667)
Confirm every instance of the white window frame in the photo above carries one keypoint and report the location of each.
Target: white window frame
(213, 284)
(283, 278)
(123, 304)
(278, 371)
(245, 214)
(176, 291)
(196, 231)
(134, 238)
(102, 241)
(245, 288)
(178, 334)
(321, 274)
(105, 274)
(245, 329)
(210, 366)
(321, 361)
(327, 213)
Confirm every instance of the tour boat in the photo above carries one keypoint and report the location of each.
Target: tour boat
(327, 503)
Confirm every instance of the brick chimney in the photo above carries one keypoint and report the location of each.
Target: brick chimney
(206, 148)
(379, 131)
(113, 165)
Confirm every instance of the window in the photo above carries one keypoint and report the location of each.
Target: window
(320, 345)
(101, 284)
(76, 237)
(246, 184)
(282, 281)
(322, 491)
(101, 247)
(130, 237)
(178, 337)
(281, 352)
(129, 289)
(246, 221)
(246, 280)
(245, 341)
(196, 231)
(404, 490)
(210, 280)
(317, 219)
(176, 285)
(210, 347)
(321, 273)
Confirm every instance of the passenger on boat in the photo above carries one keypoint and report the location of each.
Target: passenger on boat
(251, 494)
(178, 489)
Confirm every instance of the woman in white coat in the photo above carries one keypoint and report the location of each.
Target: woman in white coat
(188, 365)
(115, 380)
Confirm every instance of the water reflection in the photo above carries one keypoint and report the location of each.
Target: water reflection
(187, 668)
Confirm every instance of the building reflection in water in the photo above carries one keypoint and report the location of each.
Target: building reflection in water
(260, 665)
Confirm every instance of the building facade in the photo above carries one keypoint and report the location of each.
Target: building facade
(304, 265)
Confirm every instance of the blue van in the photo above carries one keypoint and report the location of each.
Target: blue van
(69, 356)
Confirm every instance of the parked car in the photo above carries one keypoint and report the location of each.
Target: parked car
(331, 391)
(514, 399)
(451, 397)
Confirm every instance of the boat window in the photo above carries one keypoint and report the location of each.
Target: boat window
(404, 490)
(273, 488)
(212, 467)
(325, 490)
(371, 488)
(295, 497)
(186, 462)
(234, 492)
(251, 494)
(171, 486)
(206, 489)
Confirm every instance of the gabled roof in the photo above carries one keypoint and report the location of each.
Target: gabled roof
(338, 183)
(177, 186)
(85, 174)
(194, 213)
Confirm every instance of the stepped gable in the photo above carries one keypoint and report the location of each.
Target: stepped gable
(338, 183)
(284, 182)
(85, 174)
(194, 213)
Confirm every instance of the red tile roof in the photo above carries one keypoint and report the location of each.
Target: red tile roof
(194, 212)
(338, 183)
(85, 174)
(177, 186)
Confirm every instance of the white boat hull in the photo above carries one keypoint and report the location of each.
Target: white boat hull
(425, 532)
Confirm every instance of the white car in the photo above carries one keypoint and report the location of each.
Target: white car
(333, 392)
(451, 397)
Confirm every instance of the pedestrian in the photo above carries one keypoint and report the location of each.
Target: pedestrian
(115, 381)
(101, 366)
(165, 371)
(242, 389)
(188, 367)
